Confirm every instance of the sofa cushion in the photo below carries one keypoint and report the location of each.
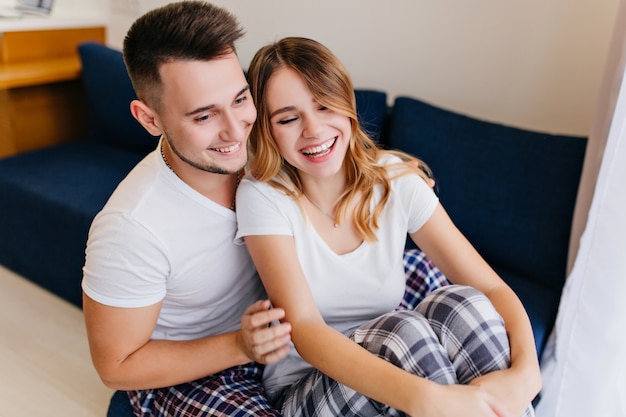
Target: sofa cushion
(48, 199)
(541, 303)
(372, 111)
(510, 191)
(119, 405)
(108, 91)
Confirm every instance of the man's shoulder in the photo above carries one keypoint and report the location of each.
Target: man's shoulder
(138, 184)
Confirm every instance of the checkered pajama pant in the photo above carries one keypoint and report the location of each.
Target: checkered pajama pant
(453, 336)
(235, 392)
(239, 392)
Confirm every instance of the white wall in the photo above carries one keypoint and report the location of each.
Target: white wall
(536, 64)
(71, 8)
(89, 8)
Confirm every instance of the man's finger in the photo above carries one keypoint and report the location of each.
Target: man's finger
(263, 318)
(269, 334)
(258, 306)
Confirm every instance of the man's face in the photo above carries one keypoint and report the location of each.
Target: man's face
(207, 113)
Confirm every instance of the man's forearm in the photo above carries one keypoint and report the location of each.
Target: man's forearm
(161, 363)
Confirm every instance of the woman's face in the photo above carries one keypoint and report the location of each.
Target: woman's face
(311, 137)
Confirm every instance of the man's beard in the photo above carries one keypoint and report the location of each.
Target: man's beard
(213, 169)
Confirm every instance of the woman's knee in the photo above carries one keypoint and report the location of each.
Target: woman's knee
(459, 303)
(406, 339)
(394, 334)
(469, 328)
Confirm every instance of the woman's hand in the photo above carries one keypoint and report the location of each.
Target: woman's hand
(260, 338)
(462, 401)
(512, 389)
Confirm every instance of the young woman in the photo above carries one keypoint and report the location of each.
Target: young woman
(325, 216)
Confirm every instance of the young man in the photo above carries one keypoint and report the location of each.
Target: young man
(175, 312)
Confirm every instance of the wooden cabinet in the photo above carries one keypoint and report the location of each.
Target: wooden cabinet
(41, 98)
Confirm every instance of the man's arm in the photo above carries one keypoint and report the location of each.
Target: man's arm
(126, 358)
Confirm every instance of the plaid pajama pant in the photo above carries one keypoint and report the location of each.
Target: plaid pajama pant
(239, 391)
(454, 336)
(235, 392)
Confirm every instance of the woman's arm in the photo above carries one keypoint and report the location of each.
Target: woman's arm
(460, 262)
(340, 358)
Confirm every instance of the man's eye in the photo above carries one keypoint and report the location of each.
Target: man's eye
(203, 118)
(241, 99)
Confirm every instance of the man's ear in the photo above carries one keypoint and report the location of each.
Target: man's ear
(146, 116)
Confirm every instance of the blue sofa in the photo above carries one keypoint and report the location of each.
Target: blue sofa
(510, 191)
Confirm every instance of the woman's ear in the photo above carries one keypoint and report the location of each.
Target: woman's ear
(146, 116)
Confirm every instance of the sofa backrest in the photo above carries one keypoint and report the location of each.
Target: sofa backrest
(108, 91)
(510, 191)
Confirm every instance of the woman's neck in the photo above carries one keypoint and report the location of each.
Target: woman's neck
(325, 192)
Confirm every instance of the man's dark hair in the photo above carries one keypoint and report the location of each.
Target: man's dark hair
(186, 30)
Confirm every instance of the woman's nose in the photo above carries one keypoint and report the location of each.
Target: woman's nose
(312, 127)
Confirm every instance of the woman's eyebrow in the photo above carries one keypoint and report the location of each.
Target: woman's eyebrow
(282, 110)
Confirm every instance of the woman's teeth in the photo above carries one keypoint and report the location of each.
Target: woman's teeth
(320, 150)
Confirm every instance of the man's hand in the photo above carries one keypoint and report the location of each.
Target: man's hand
(261, 337)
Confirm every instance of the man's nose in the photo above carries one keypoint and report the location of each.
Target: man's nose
(233, 127)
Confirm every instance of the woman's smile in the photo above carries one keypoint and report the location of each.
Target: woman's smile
(319, 150)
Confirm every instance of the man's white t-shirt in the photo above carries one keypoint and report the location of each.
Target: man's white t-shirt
(157, 240)
(348, 289)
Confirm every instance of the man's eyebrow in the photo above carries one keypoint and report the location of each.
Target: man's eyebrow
(282, 110)
(212, 106)
(200, 110)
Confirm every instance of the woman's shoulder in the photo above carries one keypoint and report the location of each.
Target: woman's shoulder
(387, 158)
(394, 164)
(250, 186)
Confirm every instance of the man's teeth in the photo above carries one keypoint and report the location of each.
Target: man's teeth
(232, 148)
(319, 149)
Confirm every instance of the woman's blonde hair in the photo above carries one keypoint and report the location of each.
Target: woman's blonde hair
(331, 86)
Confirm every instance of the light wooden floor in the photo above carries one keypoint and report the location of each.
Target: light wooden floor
(45, 368)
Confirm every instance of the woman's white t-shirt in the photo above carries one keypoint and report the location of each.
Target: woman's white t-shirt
(349, 289)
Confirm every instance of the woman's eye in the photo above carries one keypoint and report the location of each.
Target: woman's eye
(286, 121)
(323, 108)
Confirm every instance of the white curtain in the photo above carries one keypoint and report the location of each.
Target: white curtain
(584, 368)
